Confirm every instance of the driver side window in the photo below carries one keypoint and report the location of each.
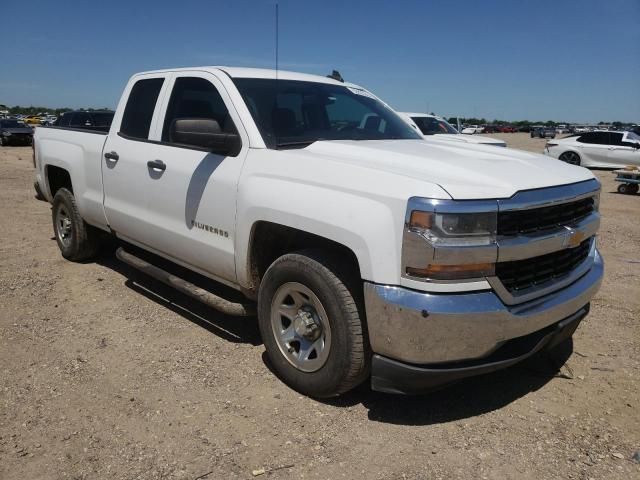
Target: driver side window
(194, 97)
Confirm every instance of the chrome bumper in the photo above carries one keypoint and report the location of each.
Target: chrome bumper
(426, 328)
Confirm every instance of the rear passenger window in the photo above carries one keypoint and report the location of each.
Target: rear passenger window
(136, 120)
(194, 97)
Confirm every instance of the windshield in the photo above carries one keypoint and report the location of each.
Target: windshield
(433, 125)
(633, 137)
(292, 113)
(11, 124)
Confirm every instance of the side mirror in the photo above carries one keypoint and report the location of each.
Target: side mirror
(205, 133)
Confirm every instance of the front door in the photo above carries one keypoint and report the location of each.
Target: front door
(192, 196)
(594, 147)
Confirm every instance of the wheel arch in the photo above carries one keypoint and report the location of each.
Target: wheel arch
(269, 241)
(57, 178)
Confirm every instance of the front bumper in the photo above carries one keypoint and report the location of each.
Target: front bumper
(425, 332)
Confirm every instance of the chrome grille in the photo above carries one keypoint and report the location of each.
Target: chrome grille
(532, 272)
(544, 218)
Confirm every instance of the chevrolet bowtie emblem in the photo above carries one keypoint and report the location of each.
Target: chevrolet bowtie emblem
(573, 239)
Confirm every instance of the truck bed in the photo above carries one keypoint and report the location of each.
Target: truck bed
(80, 153)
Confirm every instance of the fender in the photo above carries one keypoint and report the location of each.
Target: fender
(323, 201)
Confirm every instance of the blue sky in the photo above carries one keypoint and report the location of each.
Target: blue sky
(573, 60)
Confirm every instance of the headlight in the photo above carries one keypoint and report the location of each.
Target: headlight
(455, 229)
(453, 241)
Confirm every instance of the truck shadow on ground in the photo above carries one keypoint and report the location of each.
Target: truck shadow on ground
(232, 329)
(468, 398)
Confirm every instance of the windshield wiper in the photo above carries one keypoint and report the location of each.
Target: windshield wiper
(300, 144)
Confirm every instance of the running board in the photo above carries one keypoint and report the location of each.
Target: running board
(188, 288)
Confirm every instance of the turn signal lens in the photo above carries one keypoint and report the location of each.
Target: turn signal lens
(421, 220)
(453, 272)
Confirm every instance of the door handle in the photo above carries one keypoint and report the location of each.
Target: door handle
(157, 165)
(112, 156)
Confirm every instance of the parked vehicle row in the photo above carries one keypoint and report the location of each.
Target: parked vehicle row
(366, 251)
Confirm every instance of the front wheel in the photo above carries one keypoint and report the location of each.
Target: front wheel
(570, 157)
(312, 323)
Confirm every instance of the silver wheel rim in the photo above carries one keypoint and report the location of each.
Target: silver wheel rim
(300, 326)
(64, 230)
(571, 158)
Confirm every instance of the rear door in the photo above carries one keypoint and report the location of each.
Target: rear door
(623, 152)
(124, 164)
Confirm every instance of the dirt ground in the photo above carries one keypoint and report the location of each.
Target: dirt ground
(106, 374)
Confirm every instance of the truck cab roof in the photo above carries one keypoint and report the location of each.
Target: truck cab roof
(249, 72)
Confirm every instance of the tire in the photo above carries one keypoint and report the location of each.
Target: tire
(628, 188)
(39, 194)
(313, 285)
(3, 142)
(570, 157)
(76, 239)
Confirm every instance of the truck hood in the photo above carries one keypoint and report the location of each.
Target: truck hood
(464, 171)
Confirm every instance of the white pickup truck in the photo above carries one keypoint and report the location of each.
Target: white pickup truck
(366, 252)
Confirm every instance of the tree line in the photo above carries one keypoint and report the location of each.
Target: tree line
(31, 110)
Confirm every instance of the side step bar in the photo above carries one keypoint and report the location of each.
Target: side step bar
(188, 288)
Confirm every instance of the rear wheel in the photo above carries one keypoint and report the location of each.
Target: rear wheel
(628, 188)
(312, 323)
(76, 239)
(570, 157)
(3, 141)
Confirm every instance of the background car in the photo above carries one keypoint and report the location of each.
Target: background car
(597, 149)
(433, 127)
(32, 120)
(99, 120)
(543, 132)
(14, 132)
(471, 129)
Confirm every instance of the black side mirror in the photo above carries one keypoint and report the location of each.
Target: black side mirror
(205, 133)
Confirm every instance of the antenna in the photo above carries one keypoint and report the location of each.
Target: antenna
(277, 29)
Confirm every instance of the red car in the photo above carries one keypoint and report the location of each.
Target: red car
(507, 129)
